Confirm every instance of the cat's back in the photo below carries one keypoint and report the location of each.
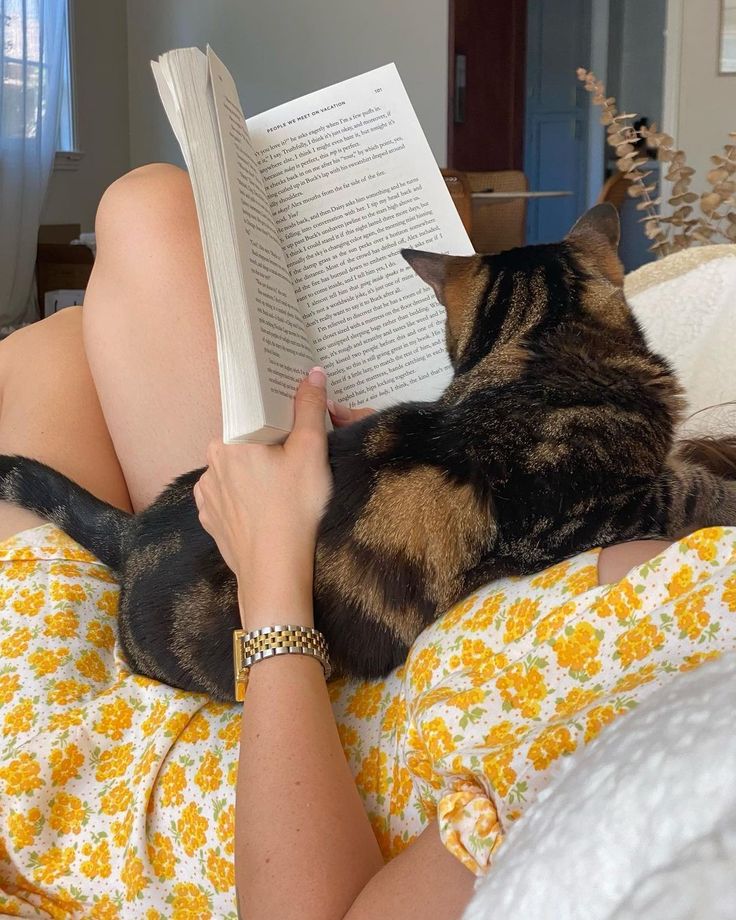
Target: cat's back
(587, 362)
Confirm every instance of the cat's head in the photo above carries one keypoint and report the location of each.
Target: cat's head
(496, 301)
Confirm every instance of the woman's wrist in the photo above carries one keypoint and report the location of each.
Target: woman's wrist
(266, 560)
(275, 600)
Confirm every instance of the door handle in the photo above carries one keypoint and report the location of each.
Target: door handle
(461, 71)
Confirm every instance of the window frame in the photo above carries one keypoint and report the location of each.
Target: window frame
(68, 155)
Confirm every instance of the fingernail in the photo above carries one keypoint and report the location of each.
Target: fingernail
(317, 377)
(338, 410)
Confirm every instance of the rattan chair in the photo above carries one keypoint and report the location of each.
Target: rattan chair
(498, 225)
(459, 189)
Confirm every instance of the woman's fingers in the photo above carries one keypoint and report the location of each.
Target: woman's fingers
(310, 404)
(342, 415)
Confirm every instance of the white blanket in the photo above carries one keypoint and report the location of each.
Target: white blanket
(691, 319)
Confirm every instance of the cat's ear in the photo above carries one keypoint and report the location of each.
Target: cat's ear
(597, 233)
(452, 278)
(432, 267)
(602, 220)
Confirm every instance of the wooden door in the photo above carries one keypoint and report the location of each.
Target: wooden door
(486, 84)
(557, 111)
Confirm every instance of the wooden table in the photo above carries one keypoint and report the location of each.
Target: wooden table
(501, 196)
(498, 218)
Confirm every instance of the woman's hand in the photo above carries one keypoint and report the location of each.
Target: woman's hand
(262, 505)
(342, 416)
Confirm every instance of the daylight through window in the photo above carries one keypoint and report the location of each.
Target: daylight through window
(21, 93)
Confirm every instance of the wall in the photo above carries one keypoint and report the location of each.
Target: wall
(599, 52)
(615, 47)
(281, 49)
(706, 102)
(636, 56)
(285, 48)
(642, 64)
(101, 90)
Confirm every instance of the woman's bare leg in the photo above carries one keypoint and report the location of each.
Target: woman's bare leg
(49, 411)
(148, 330)
(614, 562)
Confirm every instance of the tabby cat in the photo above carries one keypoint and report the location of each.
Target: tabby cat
(555, 435)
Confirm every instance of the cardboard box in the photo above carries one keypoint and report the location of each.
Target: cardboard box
(59, 266)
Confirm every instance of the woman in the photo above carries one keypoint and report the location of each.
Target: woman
(122, 399)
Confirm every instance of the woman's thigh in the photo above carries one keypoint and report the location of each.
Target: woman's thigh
(49, 411)
(149, 332)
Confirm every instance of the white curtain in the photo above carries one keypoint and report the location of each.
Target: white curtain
(32, 56)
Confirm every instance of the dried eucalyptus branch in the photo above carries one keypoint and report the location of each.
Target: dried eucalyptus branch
(723, 187)
(681, 228)
(624, 139)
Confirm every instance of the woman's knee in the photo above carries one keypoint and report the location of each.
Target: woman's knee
(149, 253)
(39, 345)
(34, 358)
(142, 208)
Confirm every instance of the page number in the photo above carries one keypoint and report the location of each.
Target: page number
(379, 90)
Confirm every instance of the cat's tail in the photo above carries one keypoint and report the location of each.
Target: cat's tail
(690, 494)
(718, 455)
(99, 527)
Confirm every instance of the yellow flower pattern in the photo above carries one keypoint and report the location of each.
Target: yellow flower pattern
(513, 680)
(521, 615)
(639, 642)
(118, 793)
(690, 613)
(550, 744)
(577, 649)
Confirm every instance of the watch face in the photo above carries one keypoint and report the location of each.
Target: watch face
(240, 671)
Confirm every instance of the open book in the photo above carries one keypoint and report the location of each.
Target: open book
(303, 211)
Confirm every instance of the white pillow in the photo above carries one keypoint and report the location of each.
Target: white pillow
(691, 320)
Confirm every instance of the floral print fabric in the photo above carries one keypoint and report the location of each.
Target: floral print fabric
(518, 676)
(117, 793)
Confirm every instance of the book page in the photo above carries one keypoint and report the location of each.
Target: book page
(351, 181)
(283, 346)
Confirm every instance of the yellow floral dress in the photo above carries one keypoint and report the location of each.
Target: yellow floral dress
(117, 793)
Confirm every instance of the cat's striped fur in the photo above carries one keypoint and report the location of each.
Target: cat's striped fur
(555, 435)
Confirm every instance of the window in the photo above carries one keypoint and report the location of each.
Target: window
(22, 72)
(66, 139)
(728, 37)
